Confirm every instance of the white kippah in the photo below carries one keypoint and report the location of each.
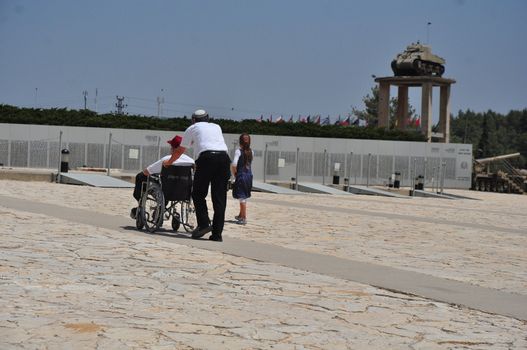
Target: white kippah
(200, 113)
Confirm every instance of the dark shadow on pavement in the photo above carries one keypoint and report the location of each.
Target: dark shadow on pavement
(159, 232)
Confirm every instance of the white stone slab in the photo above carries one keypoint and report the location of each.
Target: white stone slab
(95, 180)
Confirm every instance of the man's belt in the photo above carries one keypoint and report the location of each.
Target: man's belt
(212, 153)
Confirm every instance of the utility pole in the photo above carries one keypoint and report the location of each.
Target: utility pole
(160, 100)
(85, 94)
(36, 92)
(95, 100)
(120, 106)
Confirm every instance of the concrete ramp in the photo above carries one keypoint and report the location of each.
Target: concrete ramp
(460, 196)
(357, 189)
(421, 193)
(95, 180)
(265, 187)
(318, 188)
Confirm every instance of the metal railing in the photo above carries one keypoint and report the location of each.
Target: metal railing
(512, 174)
(273, 162)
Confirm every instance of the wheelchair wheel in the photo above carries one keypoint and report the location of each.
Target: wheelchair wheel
(139, 218)
(153, 208)
(176, 223)
(188, 216)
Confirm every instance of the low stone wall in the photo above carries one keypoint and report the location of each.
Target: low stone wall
(25, 175)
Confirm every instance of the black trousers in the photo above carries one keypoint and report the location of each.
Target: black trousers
(139, 179)
(214, 169)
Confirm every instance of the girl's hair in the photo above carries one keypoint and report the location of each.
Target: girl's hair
(246, 148)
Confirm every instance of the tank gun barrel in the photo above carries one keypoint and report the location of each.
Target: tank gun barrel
(492, 159)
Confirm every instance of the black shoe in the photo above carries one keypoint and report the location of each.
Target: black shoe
(216, 238)
(201, 231)
(133, 213)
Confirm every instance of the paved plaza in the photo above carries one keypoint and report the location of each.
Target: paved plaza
(306, 272)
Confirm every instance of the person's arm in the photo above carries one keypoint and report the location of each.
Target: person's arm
(154, 168)
(175, 155)
(234, 164)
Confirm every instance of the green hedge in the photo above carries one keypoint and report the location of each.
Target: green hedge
(54, 116)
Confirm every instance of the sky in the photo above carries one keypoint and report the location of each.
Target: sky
(243, 58)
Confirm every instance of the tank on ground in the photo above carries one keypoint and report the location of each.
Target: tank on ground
(418, 59)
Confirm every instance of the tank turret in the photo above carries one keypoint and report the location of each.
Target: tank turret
(418, 59)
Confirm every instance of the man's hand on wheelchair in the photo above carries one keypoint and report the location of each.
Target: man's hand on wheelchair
(167, 163)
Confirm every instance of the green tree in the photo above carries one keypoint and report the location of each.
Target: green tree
(466, 127)
(488, 145)
(371, 111)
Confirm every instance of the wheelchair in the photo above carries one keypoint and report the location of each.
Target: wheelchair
(167, 196)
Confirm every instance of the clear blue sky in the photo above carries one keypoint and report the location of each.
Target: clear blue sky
(245, 58)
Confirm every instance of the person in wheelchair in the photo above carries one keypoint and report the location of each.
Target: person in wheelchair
(156, 167)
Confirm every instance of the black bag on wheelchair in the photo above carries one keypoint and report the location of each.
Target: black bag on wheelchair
(177, 182)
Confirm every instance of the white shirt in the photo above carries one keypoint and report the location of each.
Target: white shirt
(155, 168)
(204, 136)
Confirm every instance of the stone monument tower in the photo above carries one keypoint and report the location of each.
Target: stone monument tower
(417, 67)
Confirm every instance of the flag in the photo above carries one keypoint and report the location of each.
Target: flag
(308, 119)
(270, 120)
(259, 120)
(356, 121)
(418, 122)
(291, 119)
(337, 122)
(317, 120)
(345, 122)
(280, 120)
(326, 121)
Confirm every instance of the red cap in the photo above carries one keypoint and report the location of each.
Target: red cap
(176, 141)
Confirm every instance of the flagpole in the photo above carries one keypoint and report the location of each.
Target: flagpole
(296, 176)
(265, 161)
(349, 175)
(368, 173)
(324, 169)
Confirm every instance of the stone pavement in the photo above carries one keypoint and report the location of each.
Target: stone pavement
(70, 285)
(408, 282)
